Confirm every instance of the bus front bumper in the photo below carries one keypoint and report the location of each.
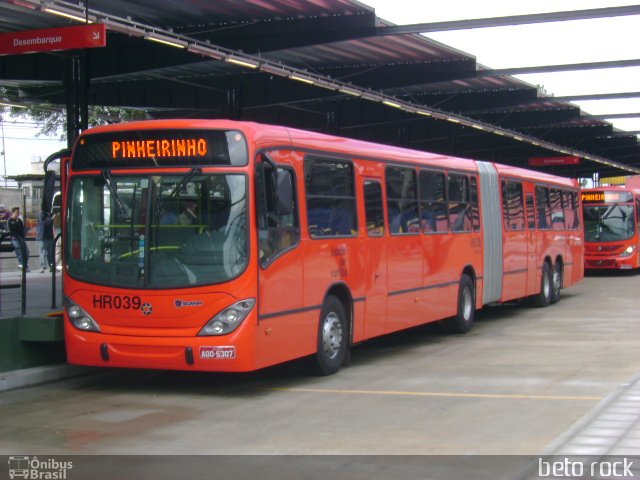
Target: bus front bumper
(215, 354)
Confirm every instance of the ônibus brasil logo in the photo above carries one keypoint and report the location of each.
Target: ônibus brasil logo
(38, 469)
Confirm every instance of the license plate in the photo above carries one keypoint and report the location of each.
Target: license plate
(217, 353)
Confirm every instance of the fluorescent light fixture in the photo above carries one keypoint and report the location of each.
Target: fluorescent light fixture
(71, 14)
(165, 40)
(4, 104)
(389, 103)
(349, 91)
(243, 62)
(302, 79)
(425, 113)
(281, 72)
(206, 51)
(478, 127)
(452, 120)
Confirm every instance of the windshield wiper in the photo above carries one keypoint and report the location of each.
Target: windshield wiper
(108, 181)
(174, 193)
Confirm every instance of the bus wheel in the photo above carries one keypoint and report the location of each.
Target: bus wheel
(332, 337)
(462, 322)
(543, 298)
(556, 283)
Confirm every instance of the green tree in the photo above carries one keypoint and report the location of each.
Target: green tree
(52, 119)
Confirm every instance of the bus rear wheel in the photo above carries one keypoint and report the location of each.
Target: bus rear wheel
(332, 337)
(556, 283)
(543, 298)
(462, 322)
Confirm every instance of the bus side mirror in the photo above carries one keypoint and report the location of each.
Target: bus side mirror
(284, 193)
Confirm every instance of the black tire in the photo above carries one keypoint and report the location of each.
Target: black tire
(556, 283)
(462, 322)
(543, 298)
(333, 337)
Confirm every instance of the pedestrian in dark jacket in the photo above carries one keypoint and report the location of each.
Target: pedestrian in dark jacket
(15, 226)
(44, 236)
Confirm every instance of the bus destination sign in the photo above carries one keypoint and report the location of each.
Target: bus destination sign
(606, 196)
(160, 148)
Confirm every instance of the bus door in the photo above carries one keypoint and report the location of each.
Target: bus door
(375, 259)
(515, 241)
(532, 264)
(406, 297)
(280, 279)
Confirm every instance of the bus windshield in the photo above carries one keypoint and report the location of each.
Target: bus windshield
(608, 223)
(160, 231)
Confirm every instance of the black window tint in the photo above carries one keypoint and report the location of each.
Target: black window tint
(433, 206)
(373, 208)
(331, 203)
(402, 200)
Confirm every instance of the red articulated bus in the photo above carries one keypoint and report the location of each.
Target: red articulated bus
(231, 246)
(611, 216)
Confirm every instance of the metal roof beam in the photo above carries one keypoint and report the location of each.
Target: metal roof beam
(510, 20)
(615, 115)
(596, 96)
(559, 68)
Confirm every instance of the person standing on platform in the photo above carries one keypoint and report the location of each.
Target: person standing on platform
(15, 226)
(44, 236)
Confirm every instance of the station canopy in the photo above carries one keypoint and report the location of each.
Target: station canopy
(328, 66)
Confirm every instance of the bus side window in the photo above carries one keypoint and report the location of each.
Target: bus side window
(434, 217)
(543, 208)
(531, 212)
(402, 200)
(569, 210)
(331, 201)
(277, 231)
(475, 205)
(373, 208)
(459, 209)
(557, 212)
(513, 210)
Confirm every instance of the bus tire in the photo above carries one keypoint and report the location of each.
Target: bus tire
(462, 322)
(556, 283)
(543, 298)
(332, 337)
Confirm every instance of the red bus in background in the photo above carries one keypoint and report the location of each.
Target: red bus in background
(231, 246)
(611, 216)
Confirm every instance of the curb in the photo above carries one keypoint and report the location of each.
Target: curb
(28, 377)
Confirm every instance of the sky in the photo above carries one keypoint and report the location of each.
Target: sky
(580, 41)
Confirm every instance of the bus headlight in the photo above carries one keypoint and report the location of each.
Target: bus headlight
(228, 319)
(81, 319)
(628, 251)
